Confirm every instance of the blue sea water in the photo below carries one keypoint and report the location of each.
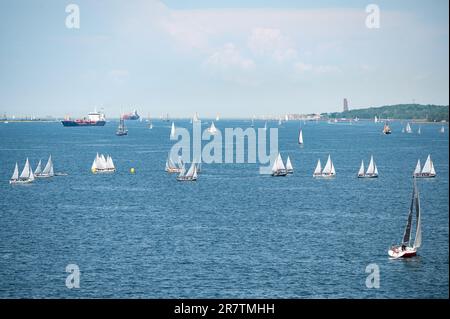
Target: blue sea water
(232, 234)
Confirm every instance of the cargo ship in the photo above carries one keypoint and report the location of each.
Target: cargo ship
(131, 116)
(94, 119)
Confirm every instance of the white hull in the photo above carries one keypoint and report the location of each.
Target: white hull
(397, 252)
(100, 171)
(18, 182)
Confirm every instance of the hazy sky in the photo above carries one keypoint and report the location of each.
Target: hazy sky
(235, 58)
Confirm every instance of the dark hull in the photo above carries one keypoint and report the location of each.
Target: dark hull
(83, 123)
(131, 117)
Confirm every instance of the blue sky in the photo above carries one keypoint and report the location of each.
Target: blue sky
(233, 58)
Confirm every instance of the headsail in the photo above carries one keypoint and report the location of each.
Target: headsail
(26, 170)
(418, 168)
(172, 131)
(38, 169)
(15, 175)
(318, 169)
(427, 167)
(371, 167)
(361, 169)
(289, 164)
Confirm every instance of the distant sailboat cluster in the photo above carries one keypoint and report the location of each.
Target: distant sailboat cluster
(103, 164)
(28, 176)
(279, 169)
(427, 171)
(372, 170)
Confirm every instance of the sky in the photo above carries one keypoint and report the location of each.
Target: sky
(232, 58)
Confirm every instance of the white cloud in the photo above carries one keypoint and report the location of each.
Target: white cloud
(228, 57)
(271, 42)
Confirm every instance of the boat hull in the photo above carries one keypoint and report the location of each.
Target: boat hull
(103, 171)
(424, 175)
(69, 123)
(397, 252)
(279, 173)
(186, 179)
(368, 176)
(20, 182)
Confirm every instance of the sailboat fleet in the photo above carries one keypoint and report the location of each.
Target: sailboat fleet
(408, 128)
(427, 171)
(28, 176)
(327, 171)
(372, 170)
(103, 164)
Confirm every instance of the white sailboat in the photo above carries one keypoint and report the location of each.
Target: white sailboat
(212, 129)
(48, 169)
(405, 250)
(375, 119)
(103, 165)
(25, 177)
(278, 168)
(427, 171)
(300, 137)
(408, 128)
(171, 167)
(217, 118)
(442, 129)
(419, 131)
(172, 131)
(318, 170)
(289, 167)
(38, 169)
(372, 170)
(328, 169)
(190, 175)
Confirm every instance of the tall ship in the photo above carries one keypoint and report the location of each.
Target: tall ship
(93, 119)
(131, 116)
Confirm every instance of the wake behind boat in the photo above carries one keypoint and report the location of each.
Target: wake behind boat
(405, 250)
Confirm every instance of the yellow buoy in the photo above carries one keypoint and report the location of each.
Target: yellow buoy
(132, 170)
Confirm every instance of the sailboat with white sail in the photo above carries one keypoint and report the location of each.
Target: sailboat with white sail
(212, 129)
(25, 177)
(190, 175)
(375, 119)
(278, 168)
(372, 170)
(172, 131)
(427, 171)
(48, 169)
(289, 167)
(171, 167)
(38, 169)
(217, 118)
(405, 250)
(327, 171)
(300, 137)
(408, 128)
(102, 164)
(442, 130)
(419, 131)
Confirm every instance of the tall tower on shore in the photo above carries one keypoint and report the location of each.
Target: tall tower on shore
(345, 105)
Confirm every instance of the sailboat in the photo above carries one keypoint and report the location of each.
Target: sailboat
(408, 128)
(217, 118)
(212, 129)
(372, 170)
(171, 167)
(278, 168)
(48, 169)
(404, 250)
(25, 177)
(279, 122)
(289, 168)
(328, 170)
(195, 118)
(121, 130)
(172, 131)
(38, 169)
(375, 119)
(102, 164)
(427, 171)
(419, 131)
(150, 125)
(442, 130)
(190, 175)
(300, 137)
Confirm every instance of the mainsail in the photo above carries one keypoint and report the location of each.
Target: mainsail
(328, 169)
(418, 168)
(289, 165)
(26, 171)
(428, 167)
(415, 204)
(38, 169)
(372, 167)
(212, 128)
(48, 169)
(408, 128)
(300, 137)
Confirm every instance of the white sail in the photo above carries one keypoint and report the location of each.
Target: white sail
(418, 238)
(265, 126)
(217, 118)
(432, 171)
(280, 164)
(361, 169)
(94, 165)
(300, 137)
(375, 171)
(427, 166)
(48, 169)
(191, 170)
(172, 131)
(182, 171)
(109, 163)
(418, 168)
(371, 167)
(26, 170)
(442, 130)
(38, 169)
(318, 169)
(101, 162)
(408, 128)
(333, 171)
(15, 175)
(194, 175)
(289, 165)
(419, 131)
(286, 118)
(328, 166)
(31, 176)
(212, 129)
(375, 119)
